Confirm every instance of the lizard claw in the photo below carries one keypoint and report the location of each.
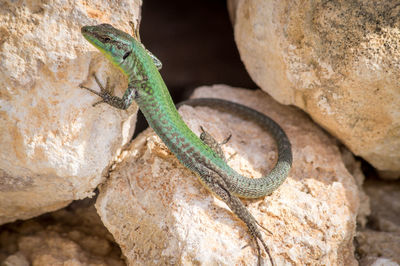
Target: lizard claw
(99, 102)
(89, 89)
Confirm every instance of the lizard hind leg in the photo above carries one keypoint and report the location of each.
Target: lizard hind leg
(256, 236)
(211, 142)
(219, 187)
(241, 211)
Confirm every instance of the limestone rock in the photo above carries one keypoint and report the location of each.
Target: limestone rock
(71, 236)
(354, 168)
(339, 61)
(374, 261)
(385, 205)
(54, 145)
(378, 244)
(159, 213)
(382, 237)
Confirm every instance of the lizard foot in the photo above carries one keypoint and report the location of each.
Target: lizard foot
(257, 237)
(211, 142)
(105, 92)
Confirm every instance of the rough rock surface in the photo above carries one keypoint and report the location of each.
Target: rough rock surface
(354, 167)
(51, 136)
(71, 236)
(385, 204)
(159, 213)
(337, 60)
(382, 237)
(373, 245)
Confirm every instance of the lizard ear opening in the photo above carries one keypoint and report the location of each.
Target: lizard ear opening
(126, 55)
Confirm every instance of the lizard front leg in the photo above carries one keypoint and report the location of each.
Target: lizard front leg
(106, 94)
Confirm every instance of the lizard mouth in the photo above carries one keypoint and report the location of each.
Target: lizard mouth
(90, 35)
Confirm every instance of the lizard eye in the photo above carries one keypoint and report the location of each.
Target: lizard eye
(126, 55)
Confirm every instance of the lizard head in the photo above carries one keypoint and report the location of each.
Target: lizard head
(115, 44)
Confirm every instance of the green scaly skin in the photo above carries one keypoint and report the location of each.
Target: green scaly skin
(149, 91)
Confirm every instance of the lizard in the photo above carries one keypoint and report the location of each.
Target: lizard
(201, 155)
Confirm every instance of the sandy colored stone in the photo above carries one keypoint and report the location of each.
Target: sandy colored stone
(376, 244)
(353, 165)
(160, 214)
(374, 261)
(71, 236)
(54, 145)
(17, 259)
(339, 61)
(385, 205)
(381, 239)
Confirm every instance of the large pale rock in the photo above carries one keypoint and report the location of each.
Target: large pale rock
(337, 60)
(159, 213)
(54, 145)
(71, 236)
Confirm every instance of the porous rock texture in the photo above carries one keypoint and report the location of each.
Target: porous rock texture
(71, 236)
(54, 145)
(381, 238)
(159, 213)
(339, 61)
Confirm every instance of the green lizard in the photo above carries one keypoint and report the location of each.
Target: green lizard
(149, 91)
